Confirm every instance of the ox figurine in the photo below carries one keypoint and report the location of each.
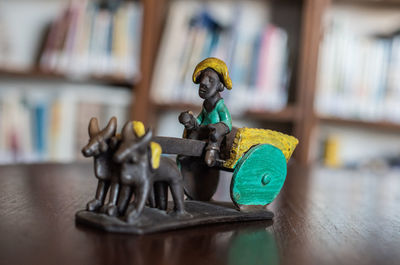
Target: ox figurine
(101, 147)
(141, 167)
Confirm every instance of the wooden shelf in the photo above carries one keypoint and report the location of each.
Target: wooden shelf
(288, 114)
(38, 74)
(371, 2)
(177, 106)
(377, 125)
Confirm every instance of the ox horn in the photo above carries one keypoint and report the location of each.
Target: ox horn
(144, 140)
(111, 128)
(127, 131)
(93, 127)
(147, 137)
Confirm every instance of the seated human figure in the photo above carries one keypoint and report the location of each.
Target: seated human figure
(214, 120)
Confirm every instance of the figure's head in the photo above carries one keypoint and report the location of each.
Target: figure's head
(212, 76)
(209, 84)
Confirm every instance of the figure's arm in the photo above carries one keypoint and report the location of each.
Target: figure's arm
(223, 127)
(225, 116)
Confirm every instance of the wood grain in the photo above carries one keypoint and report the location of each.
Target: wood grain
(321, 217)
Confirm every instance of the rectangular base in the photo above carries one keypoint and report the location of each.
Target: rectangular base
(154, 220)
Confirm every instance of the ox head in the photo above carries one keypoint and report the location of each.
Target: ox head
(98, 139)
(133, 148)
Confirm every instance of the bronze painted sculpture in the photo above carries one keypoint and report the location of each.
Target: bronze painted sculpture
(257, 158)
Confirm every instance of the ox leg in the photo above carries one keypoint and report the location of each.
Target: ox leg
(177, 195)
(124, 198)
(111, 207)
(152, 199)
(98, 201)
(135, 209)
(161, 192)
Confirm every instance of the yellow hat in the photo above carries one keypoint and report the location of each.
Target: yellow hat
(218, 66)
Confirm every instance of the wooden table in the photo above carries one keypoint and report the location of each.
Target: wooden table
(321, 218)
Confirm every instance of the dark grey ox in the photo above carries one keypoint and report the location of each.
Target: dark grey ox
(101, 147)
(138, 174)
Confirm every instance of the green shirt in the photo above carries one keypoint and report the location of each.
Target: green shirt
(220, 113)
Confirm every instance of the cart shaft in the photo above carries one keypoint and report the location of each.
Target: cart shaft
(180, 146)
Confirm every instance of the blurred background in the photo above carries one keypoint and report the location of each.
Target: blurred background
(325, 71)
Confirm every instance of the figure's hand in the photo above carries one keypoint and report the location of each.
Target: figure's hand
(217, 131)
(213, 132)
(188, 120)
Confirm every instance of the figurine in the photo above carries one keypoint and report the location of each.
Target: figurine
(142, 166)
(133, 164)
(214, 120)
(105, 169)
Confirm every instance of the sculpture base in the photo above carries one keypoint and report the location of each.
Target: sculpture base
(154, 220)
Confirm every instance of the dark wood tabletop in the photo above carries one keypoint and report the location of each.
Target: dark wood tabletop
(321, 217)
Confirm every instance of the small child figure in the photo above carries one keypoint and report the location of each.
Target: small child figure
(214, 120)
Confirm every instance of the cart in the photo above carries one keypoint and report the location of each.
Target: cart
(257, 157)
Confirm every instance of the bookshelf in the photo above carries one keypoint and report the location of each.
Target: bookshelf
(78, 41)
(303, 20)
(43, 76)
(61, 63)
(370, 125)
(357, 95)
(288, 114)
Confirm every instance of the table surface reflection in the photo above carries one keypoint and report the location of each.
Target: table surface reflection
(321, 217)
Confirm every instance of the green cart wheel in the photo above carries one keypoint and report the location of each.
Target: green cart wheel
(258, 176)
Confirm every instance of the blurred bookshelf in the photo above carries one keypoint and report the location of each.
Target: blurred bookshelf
(255, 51)
(61, 63)
(357, 87)
(299, 29)
(287, 114)
(359, 70)
(305, 25)
(264, 34)
(75, 40)
(48, 121)
(44, 76)
(372, 125)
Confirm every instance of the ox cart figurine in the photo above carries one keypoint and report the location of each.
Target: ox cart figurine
(132, 164)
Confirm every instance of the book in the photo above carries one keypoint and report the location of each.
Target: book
(22, 24)
(50, 122)
(87, 39)
(358, 70)
(231, 31)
